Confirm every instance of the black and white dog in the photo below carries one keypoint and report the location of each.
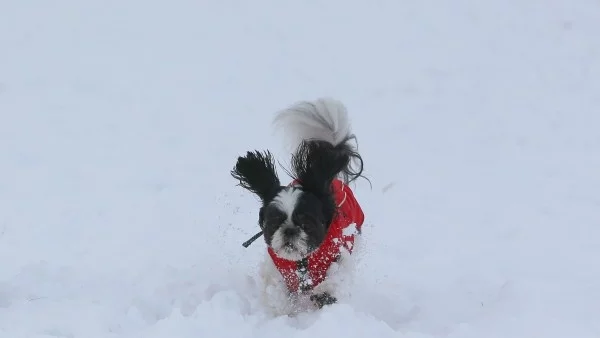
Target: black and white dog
(310, 225)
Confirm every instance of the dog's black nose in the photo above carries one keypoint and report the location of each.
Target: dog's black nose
(291, 232)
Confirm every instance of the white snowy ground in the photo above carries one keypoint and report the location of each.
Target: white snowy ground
(479, 122)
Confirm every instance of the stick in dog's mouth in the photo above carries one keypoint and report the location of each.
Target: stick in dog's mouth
(252, 239)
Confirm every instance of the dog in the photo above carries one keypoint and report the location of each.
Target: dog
(310, 225)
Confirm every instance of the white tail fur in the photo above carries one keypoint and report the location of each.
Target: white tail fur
(324, 119)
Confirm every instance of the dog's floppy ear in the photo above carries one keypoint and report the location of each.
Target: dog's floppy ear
(256, 173)
(317, 163)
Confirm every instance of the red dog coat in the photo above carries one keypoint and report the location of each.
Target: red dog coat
(309, 272)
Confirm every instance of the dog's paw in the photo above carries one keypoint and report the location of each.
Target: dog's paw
(323, 299)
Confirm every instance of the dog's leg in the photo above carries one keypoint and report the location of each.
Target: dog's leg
(274, 296)
(338, 283)
(322, 299)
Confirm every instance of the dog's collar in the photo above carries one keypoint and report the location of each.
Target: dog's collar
(304, 281)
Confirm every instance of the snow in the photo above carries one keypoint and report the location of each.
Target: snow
(120, 120)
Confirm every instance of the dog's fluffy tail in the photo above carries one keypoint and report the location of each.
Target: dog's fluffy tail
(323, 121)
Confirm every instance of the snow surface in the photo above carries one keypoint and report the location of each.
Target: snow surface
(478, 122)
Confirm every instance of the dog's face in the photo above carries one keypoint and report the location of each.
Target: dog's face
(293, 223)
(294, 219)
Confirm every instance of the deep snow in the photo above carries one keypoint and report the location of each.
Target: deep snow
(120, 121)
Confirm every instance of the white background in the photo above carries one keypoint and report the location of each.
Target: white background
(479, 124)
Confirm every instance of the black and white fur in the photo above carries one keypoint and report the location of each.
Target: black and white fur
(295, 219)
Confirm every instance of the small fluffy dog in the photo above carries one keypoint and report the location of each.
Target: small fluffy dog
(310, 225)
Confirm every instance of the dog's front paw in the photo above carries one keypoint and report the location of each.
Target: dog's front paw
(323, 299)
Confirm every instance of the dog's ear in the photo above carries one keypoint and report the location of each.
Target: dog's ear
(261, 217)
(315, 164)
(256, 173)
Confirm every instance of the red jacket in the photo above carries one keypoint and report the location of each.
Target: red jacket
(305, 274)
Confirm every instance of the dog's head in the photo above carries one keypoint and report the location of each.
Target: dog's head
(294, 219)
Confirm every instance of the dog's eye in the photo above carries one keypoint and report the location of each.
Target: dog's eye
(304, 220)
(276, 218)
